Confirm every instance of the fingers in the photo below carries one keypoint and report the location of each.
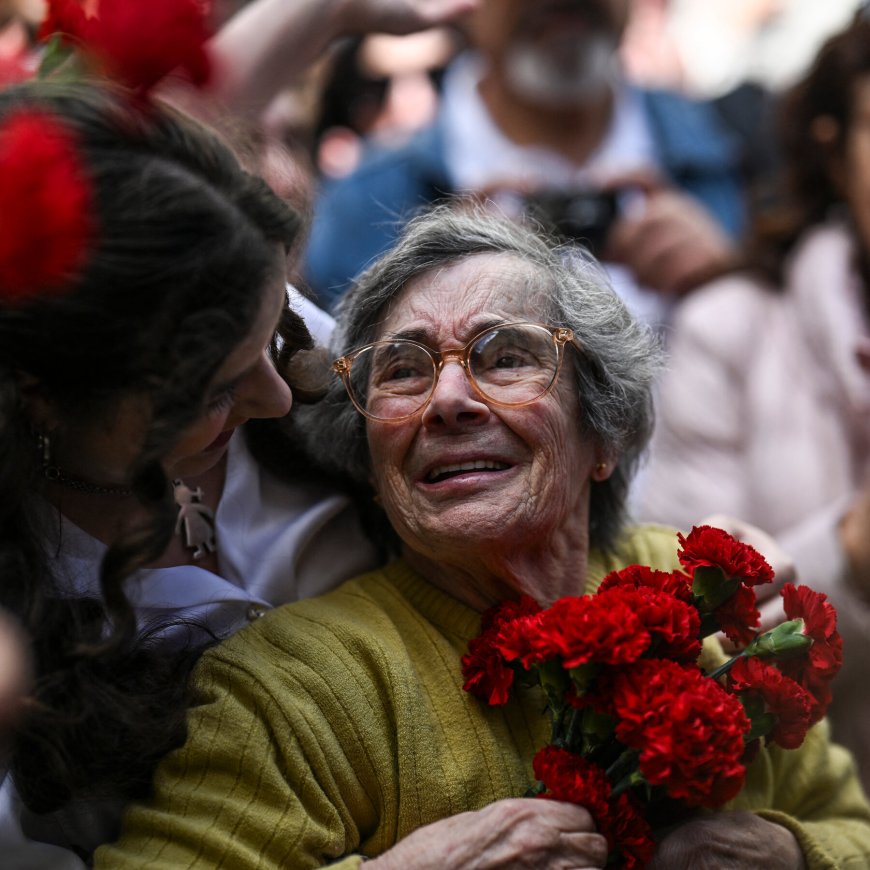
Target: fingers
(517, 833)
(671, 244)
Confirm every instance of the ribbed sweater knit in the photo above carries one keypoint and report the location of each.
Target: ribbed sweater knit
(333, 727)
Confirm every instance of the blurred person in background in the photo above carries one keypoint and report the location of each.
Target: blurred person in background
(541, 106)
(764, 412)
(379, 86)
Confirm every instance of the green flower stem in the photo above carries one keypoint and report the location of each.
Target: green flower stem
(726, 666)
(632, 779)
(574, 735)
(621, 765)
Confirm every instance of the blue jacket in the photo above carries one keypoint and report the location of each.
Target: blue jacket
(357, 218)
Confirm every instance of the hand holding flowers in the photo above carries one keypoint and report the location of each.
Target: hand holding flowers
(636, 721)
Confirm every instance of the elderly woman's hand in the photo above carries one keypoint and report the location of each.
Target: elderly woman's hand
(735, 840)
(513, 833)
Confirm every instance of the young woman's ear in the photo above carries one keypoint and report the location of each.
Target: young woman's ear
(37, 407)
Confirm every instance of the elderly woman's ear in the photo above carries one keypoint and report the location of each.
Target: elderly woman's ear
(602, 470)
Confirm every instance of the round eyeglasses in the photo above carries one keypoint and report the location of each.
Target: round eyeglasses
(509, 365)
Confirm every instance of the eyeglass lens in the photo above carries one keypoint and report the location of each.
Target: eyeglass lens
(511, 365)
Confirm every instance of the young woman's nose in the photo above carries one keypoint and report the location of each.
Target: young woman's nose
(264, 393)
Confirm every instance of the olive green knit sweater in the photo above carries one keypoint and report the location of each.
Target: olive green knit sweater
(333, 727)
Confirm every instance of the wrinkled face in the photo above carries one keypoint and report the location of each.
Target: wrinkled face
(560, 51)
(462, 475)
(857, 162)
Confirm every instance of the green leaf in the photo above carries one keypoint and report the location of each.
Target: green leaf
(55, 55)
(712, 587)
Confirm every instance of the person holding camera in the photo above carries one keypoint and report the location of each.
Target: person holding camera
(538, 105)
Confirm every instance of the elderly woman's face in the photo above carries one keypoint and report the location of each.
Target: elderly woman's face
(535, 486)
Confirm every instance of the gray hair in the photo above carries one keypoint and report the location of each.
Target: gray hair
(615, 367)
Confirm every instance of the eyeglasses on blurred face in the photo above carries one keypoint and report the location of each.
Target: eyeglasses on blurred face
(509, 365)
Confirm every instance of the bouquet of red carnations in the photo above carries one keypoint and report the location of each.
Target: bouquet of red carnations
(636, 720)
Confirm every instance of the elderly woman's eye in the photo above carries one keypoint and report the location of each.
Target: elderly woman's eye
(402, 371)
(512, 360)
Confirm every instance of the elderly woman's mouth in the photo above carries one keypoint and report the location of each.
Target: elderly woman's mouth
(443, 472)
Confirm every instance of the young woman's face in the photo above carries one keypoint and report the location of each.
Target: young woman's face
(246, 386)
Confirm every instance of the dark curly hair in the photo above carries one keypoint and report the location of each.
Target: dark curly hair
(806, 191)
(185, 241)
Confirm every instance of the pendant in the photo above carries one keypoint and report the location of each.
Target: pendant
(195, 520)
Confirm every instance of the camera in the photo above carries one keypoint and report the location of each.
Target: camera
(583, 216)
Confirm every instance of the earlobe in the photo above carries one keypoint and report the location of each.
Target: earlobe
(602, 471)
(39, 410)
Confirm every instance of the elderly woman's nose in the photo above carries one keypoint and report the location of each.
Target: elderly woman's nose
(454, 401)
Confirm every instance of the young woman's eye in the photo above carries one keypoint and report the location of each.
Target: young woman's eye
(222, 401)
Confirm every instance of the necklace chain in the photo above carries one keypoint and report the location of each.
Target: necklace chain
(195, 522)
(52, 472)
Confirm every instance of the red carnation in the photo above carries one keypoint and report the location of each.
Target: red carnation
(592, 629)
(783, 697)
(688, 730)
(739, 617)
(45, 206)
(487, 674)
(138, 42)
(820, 662)
(570, 777)
(632, 834)
(673, 625)
(706, 546)
(506, 611)
(673, 582)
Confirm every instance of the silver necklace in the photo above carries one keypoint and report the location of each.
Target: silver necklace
(52, 472)
(195, 522)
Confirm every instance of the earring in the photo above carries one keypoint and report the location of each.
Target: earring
(43, 447)
(600, 469)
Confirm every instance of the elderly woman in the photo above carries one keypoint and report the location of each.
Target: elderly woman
(498, 398)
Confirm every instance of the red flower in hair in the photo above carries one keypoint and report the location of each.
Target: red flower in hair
(137, 41)
(45, 206)
(706, 546)
(783, 697)
(688, 730)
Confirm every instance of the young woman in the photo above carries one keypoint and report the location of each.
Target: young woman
(135, 526)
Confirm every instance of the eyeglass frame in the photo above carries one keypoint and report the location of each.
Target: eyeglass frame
(342, 366)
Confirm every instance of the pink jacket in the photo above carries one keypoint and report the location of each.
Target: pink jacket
(764, 414)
